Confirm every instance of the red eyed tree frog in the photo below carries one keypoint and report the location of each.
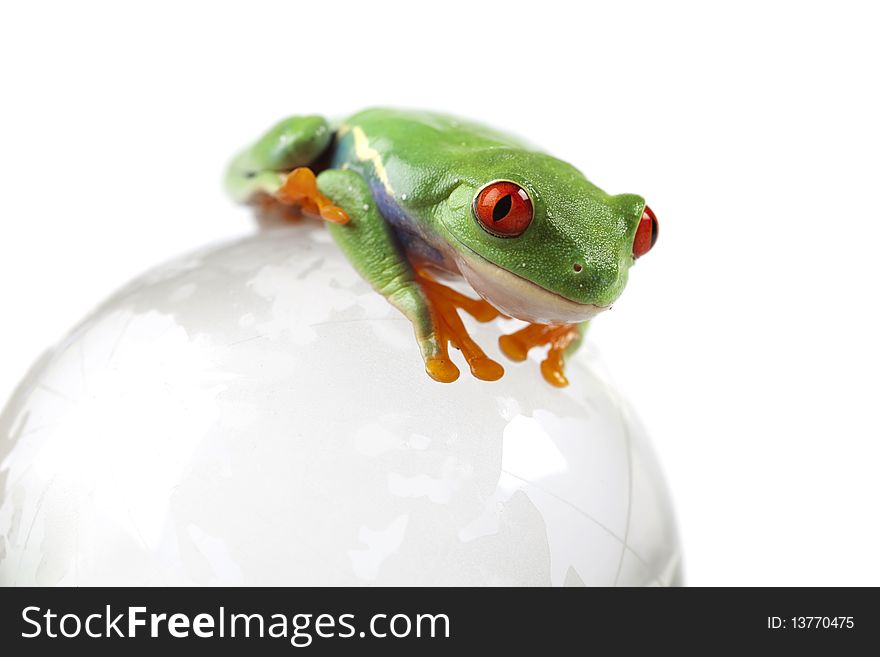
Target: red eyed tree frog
(413, 198)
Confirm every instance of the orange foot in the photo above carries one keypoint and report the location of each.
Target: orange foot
(301, 188)
(449, 329)
(516, 346)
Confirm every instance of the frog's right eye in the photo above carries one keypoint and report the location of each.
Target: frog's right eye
(504, 208)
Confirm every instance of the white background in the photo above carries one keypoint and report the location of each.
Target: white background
(748, 339)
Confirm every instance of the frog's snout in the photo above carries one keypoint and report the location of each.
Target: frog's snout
(587, 282)
(587, 275)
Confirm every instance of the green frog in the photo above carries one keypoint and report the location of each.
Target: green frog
(414, 199)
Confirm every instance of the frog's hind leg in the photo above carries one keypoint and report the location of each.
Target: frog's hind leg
(300, 187)
(445, 304)
(273, 173)
(564, 339)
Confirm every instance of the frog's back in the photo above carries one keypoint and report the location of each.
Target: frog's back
(412, 133)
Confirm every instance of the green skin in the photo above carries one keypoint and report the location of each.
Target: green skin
(408, 180)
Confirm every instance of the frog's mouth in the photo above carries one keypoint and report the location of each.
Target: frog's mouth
(518, 297)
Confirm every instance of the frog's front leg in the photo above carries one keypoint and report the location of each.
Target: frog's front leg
(564, 340)
(369, 243)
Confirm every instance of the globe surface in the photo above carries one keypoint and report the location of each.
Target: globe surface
(255, 414)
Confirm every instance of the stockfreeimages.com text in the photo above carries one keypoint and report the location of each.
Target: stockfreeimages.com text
(300, 629)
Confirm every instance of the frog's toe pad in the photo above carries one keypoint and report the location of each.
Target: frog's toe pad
(514, 348)
(553, 373)
(486, 369)
(441, 369)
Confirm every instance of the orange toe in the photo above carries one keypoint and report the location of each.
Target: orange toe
(445, 304)
(486, 369)
(301, 188)
(441, 369)
(516, 346)
(553, 370)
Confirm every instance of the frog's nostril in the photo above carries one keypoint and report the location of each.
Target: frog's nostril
(578, 268)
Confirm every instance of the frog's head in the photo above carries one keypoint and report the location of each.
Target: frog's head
(538, 241)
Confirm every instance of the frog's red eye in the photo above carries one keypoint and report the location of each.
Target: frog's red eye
(646, 233)
(504, 208)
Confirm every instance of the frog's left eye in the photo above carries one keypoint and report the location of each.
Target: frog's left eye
(504, 208)
(646, 233)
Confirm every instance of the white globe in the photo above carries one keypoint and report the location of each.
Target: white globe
(255, 414)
